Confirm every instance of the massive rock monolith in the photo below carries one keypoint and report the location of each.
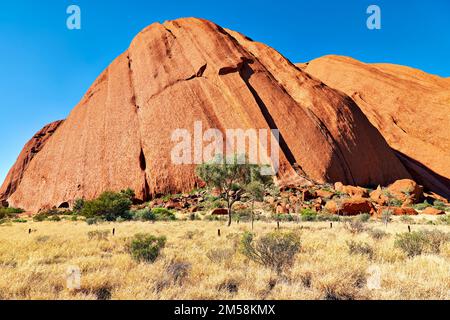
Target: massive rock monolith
(189, 70)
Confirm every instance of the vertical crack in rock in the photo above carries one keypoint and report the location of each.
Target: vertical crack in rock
(246, 72)
(142, 159)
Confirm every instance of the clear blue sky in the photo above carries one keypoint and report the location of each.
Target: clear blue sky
(45, 68)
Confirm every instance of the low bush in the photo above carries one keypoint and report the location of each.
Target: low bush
(162, 214)
(146, 247)
(365, 217)
(354, 226)
(9, 212)
(436, 239)
(444, 219)
(143, 215)
(177, 270)
(109, 206)
(377, 234)
(437, 204)
(413, 244)
(407, 219)
(91, 221)
(360, 248)
(308, 215)
(275, 250)
(422, 206)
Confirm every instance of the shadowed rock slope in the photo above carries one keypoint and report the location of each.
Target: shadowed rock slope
(189, 70)
(409, 107)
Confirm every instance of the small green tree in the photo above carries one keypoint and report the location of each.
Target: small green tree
(255, 191)
(230, 175)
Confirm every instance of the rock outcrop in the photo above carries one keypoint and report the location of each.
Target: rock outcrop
(188, 70)
(409, 107)
(15, 174)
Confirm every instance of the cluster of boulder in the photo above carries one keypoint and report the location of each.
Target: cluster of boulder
(341, 199)
(399, 198)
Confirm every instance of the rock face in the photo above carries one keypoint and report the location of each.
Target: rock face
(410, 108)
(31, 149)
(189, 70)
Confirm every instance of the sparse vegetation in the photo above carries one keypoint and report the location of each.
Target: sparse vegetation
(146, 247)
(360, 248)
(275, 250)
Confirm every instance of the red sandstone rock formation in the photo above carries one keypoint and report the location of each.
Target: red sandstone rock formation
(409, 107)
(32, 147)
(188, 70)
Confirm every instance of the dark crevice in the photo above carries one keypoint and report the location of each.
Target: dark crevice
(142, 161)
(396, 124)
(199, 73)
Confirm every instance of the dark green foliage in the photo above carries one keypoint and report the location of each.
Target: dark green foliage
(146, 247)
(231, 175)
(109, 206)
(275, 250)
(308, 215)
(377, 234)
(163, 214)
(78, 205)
(9, 212)
(144, 215)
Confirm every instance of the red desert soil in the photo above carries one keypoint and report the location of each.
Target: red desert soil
(409, 107)
(188, 70)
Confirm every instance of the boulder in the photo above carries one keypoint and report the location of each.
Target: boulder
(378, 197)
(219, 212)
(352, 191)
(332, 207)
(406, 189)
(356, 206)
(324, 194)
(398, 211)
(432, 211)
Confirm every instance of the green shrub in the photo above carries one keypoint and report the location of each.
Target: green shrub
(41, 216)
(78, 205)
(440, 205)
(146, 247)
(360, 248)
(422, 206)
(308, 215)
(109, 206)
(365, 217)
(275, 250)
(144, 215)
(328, 217)
(413, 244)
(9, 212)
(20, 221)
(163, 214)
(91, 221)
(54, 218)
(283, 217)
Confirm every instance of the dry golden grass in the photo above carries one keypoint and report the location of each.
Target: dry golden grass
(34, 266)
